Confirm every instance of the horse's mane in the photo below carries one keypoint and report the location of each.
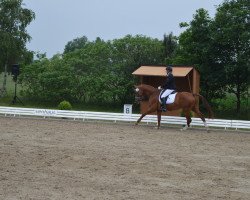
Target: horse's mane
(147, 88)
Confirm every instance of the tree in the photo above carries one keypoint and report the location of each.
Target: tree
(170, 45)
(129, 53)
(76, 43)
(13, 34)
(104, 69)
(231, 34)
(90, 63)
(196, 48)
(98, 72)
(219, 47)
(49, 80)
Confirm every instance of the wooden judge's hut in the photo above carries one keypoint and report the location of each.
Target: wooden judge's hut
(187, 79)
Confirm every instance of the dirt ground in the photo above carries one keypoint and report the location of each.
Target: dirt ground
(61, 159)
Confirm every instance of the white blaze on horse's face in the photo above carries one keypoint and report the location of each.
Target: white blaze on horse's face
(137, 90)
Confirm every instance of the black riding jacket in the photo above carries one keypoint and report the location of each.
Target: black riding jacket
(170, 83)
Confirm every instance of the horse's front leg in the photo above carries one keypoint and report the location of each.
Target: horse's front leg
(138, 121)
(150, 110)
(158, 119)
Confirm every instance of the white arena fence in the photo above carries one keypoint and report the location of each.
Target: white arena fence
(121, 117)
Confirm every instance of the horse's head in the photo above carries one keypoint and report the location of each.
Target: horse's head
(143, 92)
(139, 94)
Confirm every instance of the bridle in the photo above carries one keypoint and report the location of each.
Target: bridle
(139, 97)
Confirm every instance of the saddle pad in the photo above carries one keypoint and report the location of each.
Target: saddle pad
(170, 98)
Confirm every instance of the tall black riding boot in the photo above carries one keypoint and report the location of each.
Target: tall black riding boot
(163, 105)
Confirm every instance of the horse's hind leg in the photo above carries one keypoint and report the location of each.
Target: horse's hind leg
(189, 120)
(198, 112)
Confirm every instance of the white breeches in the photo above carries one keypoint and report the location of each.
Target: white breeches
(166, 93)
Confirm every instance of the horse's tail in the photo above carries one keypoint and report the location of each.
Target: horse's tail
(206, 104)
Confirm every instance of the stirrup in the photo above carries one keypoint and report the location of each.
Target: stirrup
(164, 109)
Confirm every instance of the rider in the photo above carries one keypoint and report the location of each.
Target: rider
(168, 88)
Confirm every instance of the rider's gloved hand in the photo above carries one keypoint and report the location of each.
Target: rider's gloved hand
(159, 87)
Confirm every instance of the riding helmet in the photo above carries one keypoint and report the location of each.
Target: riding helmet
(169, 68)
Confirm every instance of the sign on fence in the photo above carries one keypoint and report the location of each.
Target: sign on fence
(46, 112)
(127, 109)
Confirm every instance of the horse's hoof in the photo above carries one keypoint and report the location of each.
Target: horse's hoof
(184, 128)
(208, 131)
(136, 124)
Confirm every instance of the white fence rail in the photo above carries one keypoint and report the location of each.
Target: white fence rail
(116, 117)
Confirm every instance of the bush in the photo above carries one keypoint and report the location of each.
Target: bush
(64, 105)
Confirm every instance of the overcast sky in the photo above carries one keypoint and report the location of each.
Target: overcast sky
(60, 21)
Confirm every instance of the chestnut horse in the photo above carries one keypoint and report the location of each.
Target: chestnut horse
(183, 100)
